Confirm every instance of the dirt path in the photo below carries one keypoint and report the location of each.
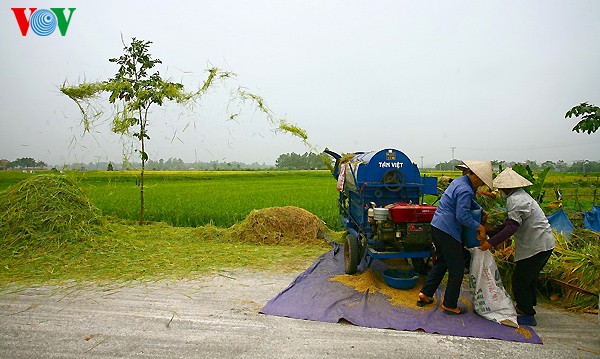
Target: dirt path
(218, 317)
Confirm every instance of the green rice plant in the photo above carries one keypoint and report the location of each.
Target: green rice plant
(220, 198)
(579, 191)
(9, 178)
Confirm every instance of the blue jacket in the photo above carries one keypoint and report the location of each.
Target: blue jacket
(453, 210)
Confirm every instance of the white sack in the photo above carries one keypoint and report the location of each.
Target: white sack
(490, 299)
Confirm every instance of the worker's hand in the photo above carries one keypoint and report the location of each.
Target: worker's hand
(484, 218)
(485, 246)
(482, 241)
(481, 233)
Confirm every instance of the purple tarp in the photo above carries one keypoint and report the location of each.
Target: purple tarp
(313, 296)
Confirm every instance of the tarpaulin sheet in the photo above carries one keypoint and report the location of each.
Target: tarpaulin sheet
(313, 296)
(592, 219)
(560, 222)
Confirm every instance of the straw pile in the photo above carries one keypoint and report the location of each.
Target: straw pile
(576, 262)
(45, 208)
(280, 225)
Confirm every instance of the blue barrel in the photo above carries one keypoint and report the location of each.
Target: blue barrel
(469, 236)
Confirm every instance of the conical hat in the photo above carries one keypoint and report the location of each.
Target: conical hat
(510, 179)
(483, 170)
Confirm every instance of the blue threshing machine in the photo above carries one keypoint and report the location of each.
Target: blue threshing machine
(381, 206)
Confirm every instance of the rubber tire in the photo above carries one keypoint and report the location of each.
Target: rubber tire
(351, 254)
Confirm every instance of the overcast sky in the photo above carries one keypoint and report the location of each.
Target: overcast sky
(484, 80)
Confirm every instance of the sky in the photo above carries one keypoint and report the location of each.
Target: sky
(437, 80)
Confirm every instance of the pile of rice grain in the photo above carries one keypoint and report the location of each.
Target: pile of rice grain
(280, 225)
(46, 208)
(373, 282)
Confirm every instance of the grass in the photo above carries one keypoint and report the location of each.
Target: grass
(128, 252)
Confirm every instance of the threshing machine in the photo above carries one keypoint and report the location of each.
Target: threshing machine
(381, 206)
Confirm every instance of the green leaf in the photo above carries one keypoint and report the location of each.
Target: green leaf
(590, 117)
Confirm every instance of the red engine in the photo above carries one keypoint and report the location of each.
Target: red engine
(403, 212)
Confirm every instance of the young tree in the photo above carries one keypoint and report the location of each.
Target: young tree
(134, 90)
(590, 116)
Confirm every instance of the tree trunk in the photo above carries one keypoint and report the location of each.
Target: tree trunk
(142, 183)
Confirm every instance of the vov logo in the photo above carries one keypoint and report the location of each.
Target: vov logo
(43, 22)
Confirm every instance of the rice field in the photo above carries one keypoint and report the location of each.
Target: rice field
(223, 198)
(197, 198)
(580, 191)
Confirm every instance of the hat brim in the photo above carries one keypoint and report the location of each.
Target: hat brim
(509, 178)
(483, 170)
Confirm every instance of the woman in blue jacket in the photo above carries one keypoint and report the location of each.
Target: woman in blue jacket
(452, 214)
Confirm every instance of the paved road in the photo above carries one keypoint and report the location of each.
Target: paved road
(218, 317)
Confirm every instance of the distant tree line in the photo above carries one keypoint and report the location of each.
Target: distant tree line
(173, 164)
(22, 163)
(180, 165)
(294, 161)
(287, 161)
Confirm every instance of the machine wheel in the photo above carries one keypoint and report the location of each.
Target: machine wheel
(351, 254)
(393, 177)
(421, 265)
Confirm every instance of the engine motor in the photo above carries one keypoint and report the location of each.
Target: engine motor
(381, 206)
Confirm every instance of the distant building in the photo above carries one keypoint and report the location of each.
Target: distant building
(4, 164)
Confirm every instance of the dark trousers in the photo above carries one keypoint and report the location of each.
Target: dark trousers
(450, 258)
(524, 281)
